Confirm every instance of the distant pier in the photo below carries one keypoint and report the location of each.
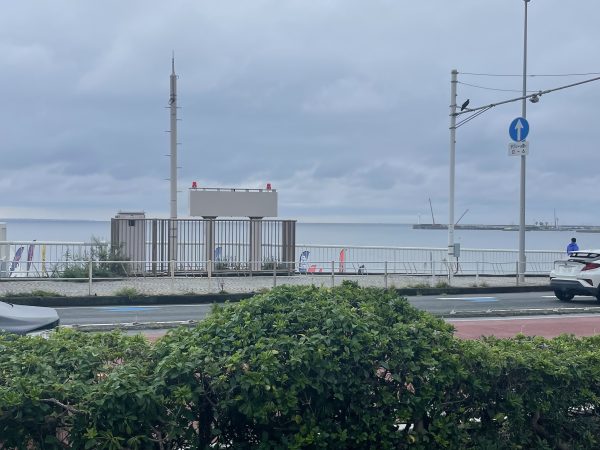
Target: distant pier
(576, 228)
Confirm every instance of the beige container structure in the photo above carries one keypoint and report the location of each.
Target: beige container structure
(128, 234)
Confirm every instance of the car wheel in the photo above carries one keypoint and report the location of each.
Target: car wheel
(564, 296)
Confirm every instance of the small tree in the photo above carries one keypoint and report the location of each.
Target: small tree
(107, 262)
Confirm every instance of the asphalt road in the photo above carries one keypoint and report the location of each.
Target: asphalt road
(102, 315)
(447, 305)
(450, 306)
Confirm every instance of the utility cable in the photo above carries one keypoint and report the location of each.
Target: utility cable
(471, 117)
(493, 89)
(536, 95)
(530, 75)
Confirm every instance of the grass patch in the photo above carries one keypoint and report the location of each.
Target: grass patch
(128, 292)
(419, 286)
(34, 293)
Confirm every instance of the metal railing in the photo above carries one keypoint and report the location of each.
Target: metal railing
(48, 259)
(419, 260)
(213, 277)
(43, 258)
(236, 240)
(107, 269)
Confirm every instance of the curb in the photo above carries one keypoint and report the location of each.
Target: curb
(517, 312)
(472, 290)
(56, 302)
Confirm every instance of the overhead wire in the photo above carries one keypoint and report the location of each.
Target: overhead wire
(492, 89)
(535, 95)
(530, 75)
(517, 75)
(471, 117)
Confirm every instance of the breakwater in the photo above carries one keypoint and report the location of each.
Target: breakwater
(443, 226)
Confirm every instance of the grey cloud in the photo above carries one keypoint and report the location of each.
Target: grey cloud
(346, 96)
(342, 105)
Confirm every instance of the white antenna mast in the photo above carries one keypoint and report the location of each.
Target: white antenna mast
(173, 177)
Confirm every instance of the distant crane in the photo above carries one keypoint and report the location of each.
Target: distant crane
(431, 208)
(463, 215)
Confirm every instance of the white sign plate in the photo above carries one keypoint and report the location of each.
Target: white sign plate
(518, 148)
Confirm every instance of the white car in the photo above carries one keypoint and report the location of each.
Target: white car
(22, 319)
(577, 275)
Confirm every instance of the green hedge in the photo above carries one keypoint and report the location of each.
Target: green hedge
(298, 367)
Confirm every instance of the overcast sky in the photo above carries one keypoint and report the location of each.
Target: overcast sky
(342, 105)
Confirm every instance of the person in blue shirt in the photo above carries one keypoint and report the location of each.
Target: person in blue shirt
(572, 247)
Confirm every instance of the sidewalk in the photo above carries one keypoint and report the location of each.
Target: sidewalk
(548, 326)
(246, 284)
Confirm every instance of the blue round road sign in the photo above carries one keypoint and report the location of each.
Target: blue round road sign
(519, 129)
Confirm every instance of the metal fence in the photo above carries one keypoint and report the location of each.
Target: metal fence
(423, 260)
(44, 259)
(71, 259)
(242, 244)
(142, 247)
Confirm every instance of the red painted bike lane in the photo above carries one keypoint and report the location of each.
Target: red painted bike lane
(547, 327)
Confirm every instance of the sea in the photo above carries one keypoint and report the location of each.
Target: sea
(339, 234)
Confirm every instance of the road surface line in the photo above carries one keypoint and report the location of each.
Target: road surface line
(124, 306)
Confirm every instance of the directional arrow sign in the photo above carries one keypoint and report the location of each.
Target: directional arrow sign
(519, 129)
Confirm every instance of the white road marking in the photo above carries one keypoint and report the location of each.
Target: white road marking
(145, 306)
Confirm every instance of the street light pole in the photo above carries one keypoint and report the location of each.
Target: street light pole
(453, 84)
(521, 262)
